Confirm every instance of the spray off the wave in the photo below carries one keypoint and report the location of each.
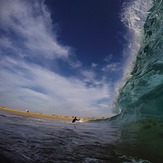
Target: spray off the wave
(133, 16)
(141, 96)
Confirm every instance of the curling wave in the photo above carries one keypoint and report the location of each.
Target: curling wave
(142, 94)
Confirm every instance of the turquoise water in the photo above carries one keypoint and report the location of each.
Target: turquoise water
(142, 95)
(141, 98)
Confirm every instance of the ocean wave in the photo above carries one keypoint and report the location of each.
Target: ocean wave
(142, 93)
(133, 15)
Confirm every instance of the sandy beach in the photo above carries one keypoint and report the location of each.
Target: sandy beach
(40, 115)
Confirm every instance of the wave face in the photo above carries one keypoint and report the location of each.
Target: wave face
(142, 95)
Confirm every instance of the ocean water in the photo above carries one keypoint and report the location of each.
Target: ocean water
(142, 94)
(141, 98)
(34, 140)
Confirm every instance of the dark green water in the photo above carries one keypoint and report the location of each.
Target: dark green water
(141, 98)
(142, 95)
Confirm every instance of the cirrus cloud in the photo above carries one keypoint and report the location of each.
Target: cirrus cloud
(28, 42)
(26, 85)
(30, 23)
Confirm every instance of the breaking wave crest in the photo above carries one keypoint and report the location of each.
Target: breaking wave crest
(142, 93)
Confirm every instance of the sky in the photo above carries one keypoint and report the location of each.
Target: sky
(62, 57)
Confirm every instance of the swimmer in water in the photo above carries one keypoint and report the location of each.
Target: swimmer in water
(75, 119)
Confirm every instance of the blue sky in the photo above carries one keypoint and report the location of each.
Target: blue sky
(61, 57)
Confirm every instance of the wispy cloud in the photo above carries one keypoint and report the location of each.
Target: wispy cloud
(31, 22)
(93, 65)
(27, 85)
(27, 32)
(112, 67)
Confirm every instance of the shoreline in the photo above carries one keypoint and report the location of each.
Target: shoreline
(40, 115)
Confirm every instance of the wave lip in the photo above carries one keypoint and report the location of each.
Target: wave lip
(142, 94)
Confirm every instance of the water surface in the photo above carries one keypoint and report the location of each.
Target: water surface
(27, 139)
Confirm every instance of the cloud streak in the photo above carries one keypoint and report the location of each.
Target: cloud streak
(30, 21)
(28, 38)
(112, 67)
(40, 89)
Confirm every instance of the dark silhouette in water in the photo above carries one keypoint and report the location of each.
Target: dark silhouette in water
(75, 119)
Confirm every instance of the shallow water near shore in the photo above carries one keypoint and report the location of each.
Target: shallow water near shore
(26, 139)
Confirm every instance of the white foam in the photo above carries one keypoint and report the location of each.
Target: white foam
(88, 160)
(133, 160)
(134, 14)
